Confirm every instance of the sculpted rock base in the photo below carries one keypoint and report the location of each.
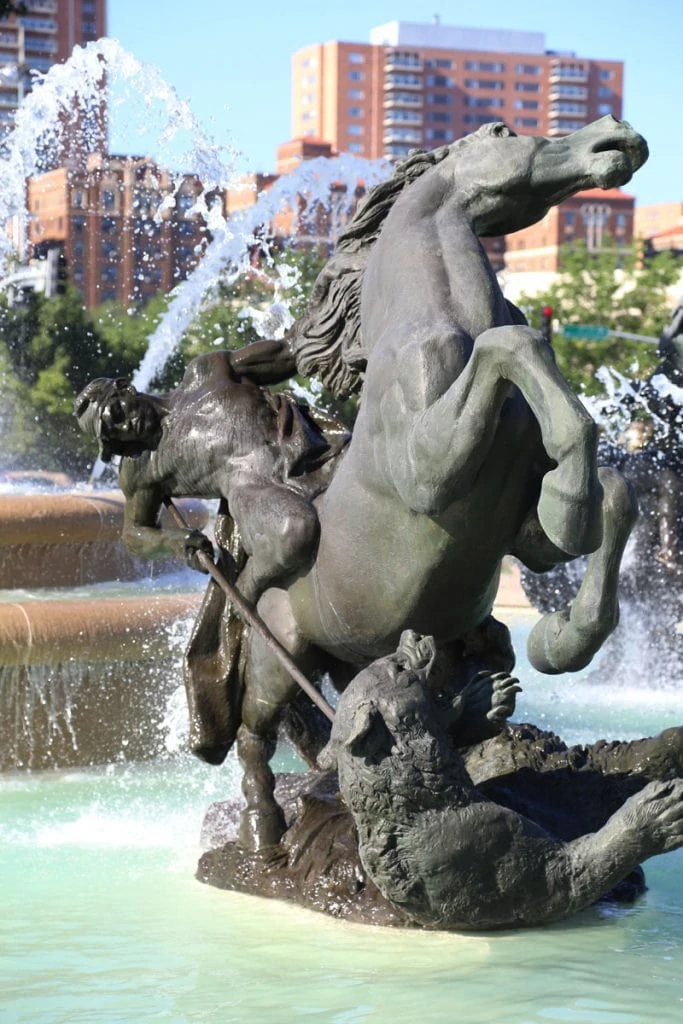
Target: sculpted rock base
(568, 791)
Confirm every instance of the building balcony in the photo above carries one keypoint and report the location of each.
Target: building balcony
(402, 80)
(41, 6)
(402, 62)
(561, 92)
(398, 99)
(43, 26)
(402, 136)
(395, 118)
(568, 73)
(578, 111)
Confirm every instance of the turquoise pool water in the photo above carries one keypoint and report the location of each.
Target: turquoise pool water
(102, 921)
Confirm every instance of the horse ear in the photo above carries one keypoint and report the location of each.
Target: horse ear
(369, 735)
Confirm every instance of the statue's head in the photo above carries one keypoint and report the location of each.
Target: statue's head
(120, 418)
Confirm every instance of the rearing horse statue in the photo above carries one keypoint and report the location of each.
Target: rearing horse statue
(468, 445)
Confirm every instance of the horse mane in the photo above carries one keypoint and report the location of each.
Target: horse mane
(326, 340)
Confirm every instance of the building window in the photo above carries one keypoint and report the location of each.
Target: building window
(526, 122)
(527, 69)
(569, 108)
(621, 220)
(478, 118)
(440, 116)
(356, 147)
(484, 101)
(483, 83)
(78, 199)
(604, 108)
(184, 202)
(108, 200)
(308, 115)
(526, 104)
(483, 65)
(79, 224)
(88, 6)
(356, 76)
(565, 125)
(439, 62)
(571, 90)
(356, 94)
(442, 80)
(527, 87)
(439, 135)
(604, 92)
(356, 58)
(187, 228)
(355, 111)
(307, 99)
(309, 62)
(439, 97)
(355, 129)
(569, 219)
(605, 74)
(400, 78)
(78, 250)
(309, 80)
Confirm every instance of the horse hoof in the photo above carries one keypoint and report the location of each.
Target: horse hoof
(260, 829)
(570, 518)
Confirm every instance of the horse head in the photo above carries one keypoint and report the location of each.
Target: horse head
(507, 181)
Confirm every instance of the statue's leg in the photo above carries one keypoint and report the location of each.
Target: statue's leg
(566, 640)
(279, 530)
(268, 687)
(437, 452)
(569, 502)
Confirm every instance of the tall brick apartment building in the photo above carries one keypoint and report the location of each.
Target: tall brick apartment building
(423, 85)
(104, 219)
(44, 36)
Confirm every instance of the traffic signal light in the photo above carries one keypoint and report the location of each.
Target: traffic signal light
(547, 323)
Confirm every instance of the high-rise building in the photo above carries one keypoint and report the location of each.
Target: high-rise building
(119, 238)
(45, 35)
(424, 85)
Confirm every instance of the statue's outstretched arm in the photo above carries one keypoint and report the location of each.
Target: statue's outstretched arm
(143, 535)
(264, 362)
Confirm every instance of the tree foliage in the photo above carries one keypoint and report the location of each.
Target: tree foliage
(50, 348)
(614, 288)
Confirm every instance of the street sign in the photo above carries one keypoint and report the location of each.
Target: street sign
(589, 332)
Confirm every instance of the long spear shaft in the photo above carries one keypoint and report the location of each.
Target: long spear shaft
(249, 615)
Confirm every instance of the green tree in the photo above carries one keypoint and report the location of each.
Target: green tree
(614, 288)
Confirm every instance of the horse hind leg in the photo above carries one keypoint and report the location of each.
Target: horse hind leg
(268, 688)
(566, 640)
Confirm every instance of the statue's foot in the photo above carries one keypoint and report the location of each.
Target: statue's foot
(570, 512)
(260, 829)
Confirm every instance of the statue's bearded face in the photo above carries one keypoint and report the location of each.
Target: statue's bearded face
(130, 421)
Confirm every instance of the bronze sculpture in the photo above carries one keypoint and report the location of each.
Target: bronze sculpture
(469, 446)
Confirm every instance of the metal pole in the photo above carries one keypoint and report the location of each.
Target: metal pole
(249, 615)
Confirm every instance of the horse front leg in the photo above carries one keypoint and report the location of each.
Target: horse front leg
(566, 640)
(452, 423)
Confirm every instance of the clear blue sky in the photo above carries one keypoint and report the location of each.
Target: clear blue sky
(231, 59)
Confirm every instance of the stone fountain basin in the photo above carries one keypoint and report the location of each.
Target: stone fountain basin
(85, 673)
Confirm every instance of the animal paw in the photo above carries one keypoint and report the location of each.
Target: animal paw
(656, 813)
(486, 702)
